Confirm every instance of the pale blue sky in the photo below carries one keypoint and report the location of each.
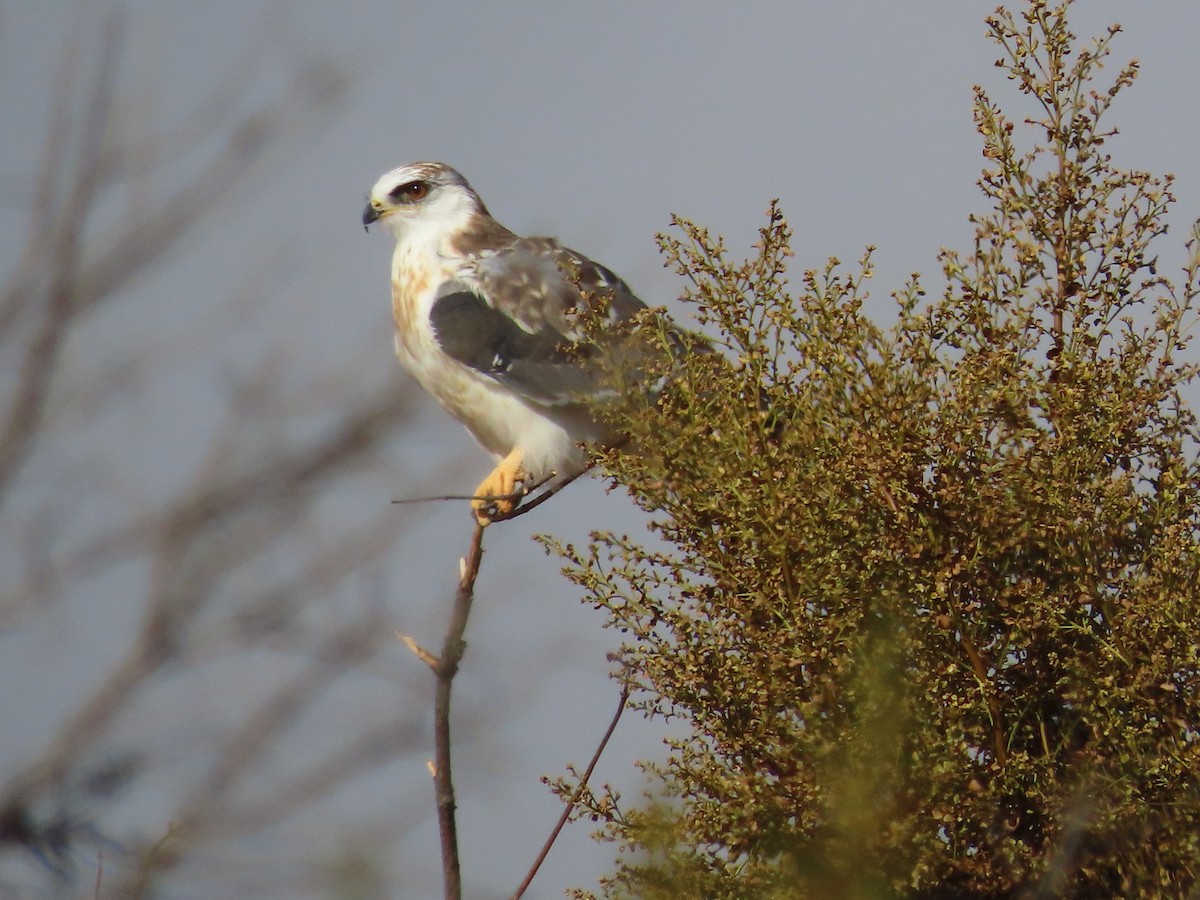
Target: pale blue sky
(592, 122)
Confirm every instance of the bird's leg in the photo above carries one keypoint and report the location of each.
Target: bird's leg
(499, 490)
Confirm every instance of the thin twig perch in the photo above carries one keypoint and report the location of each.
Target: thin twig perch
(445, 667)
(540, 498)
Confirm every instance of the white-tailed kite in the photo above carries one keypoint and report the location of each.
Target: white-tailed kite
(488, 323)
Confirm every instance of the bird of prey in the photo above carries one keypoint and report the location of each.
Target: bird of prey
(489, 324)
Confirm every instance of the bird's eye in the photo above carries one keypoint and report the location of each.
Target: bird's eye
(410, 192)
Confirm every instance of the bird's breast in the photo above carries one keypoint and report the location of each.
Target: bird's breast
(497, 418)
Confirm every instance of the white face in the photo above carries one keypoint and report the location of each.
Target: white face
(421, 197)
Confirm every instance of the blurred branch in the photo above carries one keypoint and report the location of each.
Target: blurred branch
(205, 806)
(78, 278)
(60, 231)
(180, 530)
(223, 566)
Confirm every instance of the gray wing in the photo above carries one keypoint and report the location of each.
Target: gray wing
(538, 282)
(515, 315)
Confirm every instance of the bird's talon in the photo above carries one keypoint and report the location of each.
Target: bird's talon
(501, 492)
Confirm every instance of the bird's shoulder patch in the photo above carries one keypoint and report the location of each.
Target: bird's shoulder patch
(540, 283)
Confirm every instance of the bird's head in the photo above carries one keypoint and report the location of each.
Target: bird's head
(424, 195)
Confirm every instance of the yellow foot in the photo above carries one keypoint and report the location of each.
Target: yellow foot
(498, 495)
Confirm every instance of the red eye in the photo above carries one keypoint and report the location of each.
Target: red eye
(410, 192)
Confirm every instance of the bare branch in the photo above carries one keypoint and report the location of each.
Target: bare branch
(421, 653)
(445, 669)
(578, 793)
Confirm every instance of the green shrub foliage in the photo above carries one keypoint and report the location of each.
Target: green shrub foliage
(926, 595)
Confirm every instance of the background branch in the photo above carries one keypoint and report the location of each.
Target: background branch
(229, 599)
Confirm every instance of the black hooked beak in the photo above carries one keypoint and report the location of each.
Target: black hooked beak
(370, 214)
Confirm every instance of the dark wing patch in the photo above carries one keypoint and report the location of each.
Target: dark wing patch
(542, 365)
